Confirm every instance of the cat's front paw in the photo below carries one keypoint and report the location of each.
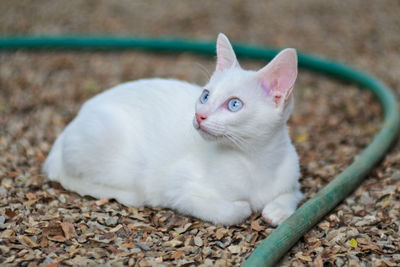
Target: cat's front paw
(275, 213)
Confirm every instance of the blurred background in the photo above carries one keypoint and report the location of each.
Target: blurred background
(362, 32)
(40, 92)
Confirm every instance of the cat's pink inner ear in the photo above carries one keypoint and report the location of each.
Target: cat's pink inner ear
(226, 57)
(278, 77)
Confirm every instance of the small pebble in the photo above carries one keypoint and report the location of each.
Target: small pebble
(47, 261)
(3, 190)
(62, 199)
(198, 241)
(249, 237)
(234, 249)
(111, 221)
(142, 246)
(220, 244)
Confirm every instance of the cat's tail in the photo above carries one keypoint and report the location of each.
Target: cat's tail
(53, 166)
(55, 169)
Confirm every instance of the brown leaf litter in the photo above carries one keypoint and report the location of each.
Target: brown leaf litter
(40, 92)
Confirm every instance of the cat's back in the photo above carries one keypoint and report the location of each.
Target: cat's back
(149, 110)
(148, 94)
(151, 113)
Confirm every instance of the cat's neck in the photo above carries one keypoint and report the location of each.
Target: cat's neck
(274, 143)
(272, 152)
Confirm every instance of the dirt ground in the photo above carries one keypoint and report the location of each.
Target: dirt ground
(40, 92)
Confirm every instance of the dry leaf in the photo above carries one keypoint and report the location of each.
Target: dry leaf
(139, 227)
(57, 238)
(29, 241)
(30, 202)
(174, 243)
(53, 229)
(40, 158)
(374, 248)
(301, 138)
(10, 214)
(317, 244)
(156, 219)
(68, 229)
(128, 245)
(255, 225)
(196, 225)
(181, 230)
(324, 225)
(338, 255)
(387, 202)
(178, 254)
(318, 262)
(102, 202)
(31, 231)
(305, 258)
(7, 233)
(30, 196)
(116, 228)
(12, 174)
(353, 243)
(44, 241)
(220, 233)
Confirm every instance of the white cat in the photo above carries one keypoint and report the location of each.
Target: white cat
(144, 143)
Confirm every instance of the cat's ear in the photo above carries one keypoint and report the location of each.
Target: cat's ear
(278, 77)
(226, 57)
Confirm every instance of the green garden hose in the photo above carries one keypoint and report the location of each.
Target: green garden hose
(311, 212)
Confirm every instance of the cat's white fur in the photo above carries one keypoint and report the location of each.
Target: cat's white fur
(139, 143)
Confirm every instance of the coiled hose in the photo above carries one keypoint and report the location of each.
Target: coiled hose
(311, 212)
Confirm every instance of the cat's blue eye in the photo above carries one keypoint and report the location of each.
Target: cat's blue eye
(204, 96)
(235, 104)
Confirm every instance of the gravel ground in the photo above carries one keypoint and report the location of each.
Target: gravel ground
(42, 224)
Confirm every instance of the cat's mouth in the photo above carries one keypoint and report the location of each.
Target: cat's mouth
(206, 134)
(221, 138)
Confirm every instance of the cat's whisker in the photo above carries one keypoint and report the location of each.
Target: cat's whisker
(204, 70)
(215, 128)
(244, 142)
(234, 141)
(238, 141)
(215, 123)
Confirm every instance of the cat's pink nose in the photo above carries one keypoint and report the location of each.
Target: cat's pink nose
(200, 118)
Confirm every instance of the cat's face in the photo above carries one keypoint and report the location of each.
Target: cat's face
(240, 107)
(234, 109)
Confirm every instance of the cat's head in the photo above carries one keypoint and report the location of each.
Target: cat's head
(242, 107)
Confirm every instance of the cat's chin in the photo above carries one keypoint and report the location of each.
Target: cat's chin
(207, 135)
